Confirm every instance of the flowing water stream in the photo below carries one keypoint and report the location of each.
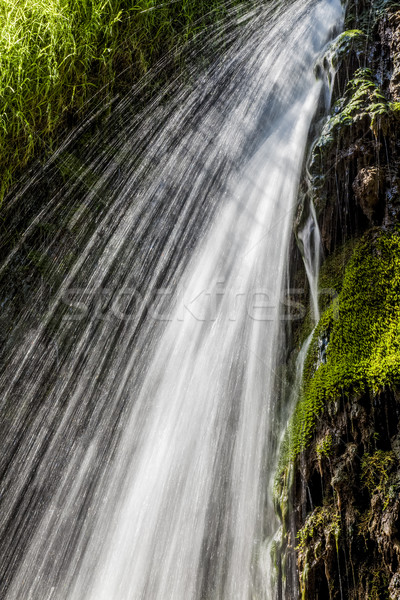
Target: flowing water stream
(139, 412)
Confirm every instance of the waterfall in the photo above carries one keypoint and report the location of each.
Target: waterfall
(139, 409)
(310, 243)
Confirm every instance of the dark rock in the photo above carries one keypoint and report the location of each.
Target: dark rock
(344, 530)
(367, 188)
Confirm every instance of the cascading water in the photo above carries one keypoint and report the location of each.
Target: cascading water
(139, 420)
(310, 242)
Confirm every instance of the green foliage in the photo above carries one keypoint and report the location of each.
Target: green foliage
(362, 100)
(363, 106)
(323, 521)
(378, 585)
(375, 470)
(332, 272)
(363, 328)
(324, 447)
(368, 18)
(395, 109)
(346, 41)
(321, 528)
(55, 54)
(282, 485)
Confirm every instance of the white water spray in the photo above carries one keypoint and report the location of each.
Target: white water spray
(174, 421)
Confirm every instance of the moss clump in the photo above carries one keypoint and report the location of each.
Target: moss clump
(362, 326)
(56, 54)
(332, 273)
(375, 470)
(362, 100)
(324, 447)
(362, 108)
(318, 538)
(324, 522)
(352, 39)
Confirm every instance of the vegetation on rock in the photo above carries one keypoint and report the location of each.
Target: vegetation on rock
(363, 328)
(338, 481)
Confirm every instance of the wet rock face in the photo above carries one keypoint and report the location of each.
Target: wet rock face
(344, 532)
(347, 511)
(354, 167)
(366, 188)
(389, 31)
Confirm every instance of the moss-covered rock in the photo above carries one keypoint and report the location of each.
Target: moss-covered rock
(362, 332)
(338, 482)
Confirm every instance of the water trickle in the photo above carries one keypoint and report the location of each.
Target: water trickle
(140, 409)
(310, 243)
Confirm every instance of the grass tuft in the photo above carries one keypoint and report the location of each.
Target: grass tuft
(55, 54)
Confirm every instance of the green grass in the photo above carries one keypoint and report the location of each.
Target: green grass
(56, 54)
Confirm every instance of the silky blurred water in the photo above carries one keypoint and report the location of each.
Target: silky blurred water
(139, 411)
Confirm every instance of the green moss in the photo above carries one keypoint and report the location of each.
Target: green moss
(344, 43)
(324, 522)
(332, 272)
(378, 585)
(314, 537)
(375, 470)
(362, 100)
(362, 326)
(303, 330)
(363, 106)
(368, 17)
(282, 485)
(324, 446)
